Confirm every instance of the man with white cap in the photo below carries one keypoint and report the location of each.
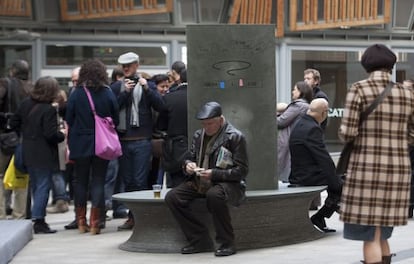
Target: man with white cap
(136, 102)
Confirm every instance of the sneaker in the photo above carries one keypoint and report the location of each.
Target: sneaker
(128, 225)
(60, 207)
(41, 227)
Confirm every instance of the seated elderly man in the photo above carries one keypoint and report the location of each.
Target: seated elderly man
(216, 169)
(311, 164)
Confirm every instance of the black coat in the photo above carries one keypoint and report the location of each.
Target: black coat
(311, 164)
(37, 122)
(81, 120)
(173, 118)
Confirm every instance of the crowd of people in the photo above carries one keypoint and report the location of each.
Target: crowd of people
(74, 173)
(150, 115)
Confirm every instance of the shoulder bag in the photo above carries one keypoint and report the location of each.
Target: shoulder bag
(107, 145)
(8, 140)
(343, 161)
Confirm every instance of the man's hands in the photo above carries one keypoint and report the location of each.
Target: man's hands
(191, 168)
(131, 83)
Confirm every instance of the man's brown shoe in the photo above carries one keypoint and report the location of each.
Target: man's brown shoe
(128, 225)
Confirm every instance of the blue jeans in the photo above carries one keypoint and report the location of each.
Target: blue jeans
(110, 179)
(40, 184)
(59, 187)
(90, 178)
(135, 163)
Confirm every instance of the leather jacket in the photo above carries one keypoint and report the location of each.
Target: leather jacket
(232, 177)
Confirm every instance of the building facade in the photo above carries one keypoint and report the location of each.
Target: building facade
(329, 35)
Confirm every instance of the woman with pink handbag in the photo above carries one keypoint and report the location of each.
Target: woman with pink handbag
(89, 102)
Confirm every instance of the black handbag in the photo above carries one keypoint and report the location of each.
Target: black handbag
(343, 161)
(9, 142)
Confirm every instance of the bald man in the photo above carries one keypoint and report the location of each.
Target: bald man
(311, 164)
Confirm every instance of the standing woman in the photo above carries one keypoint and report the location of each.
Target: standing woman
(80, 119)
(302, 95)
(376, 190)
(36, 120)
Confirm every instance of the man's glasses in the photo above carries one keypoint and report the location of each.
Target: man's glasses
(126, 65)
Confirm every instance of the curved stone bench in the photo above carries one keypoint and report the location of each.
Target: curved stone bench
(268, 218)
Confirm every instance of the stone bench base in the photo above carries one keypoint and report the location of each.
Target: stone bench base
(14, 235)
(267, 219)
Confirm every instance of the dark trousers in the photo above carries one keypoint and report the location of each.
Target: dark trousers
(179, 199)
(90, 175)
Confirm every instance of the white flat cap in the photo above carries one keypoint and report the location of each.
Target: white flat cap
(128, 57)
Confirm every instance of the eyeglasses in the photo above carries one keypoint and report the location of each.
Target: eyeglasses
(126, 65)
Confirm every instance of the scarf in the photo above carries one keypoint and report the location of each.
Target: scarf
(206, 148)
(136, 97)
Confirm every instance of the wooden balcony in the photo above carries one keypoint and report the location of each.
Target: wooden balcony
(258, 12)
(21, 8)
(311, 14)
(323, 14)
(72, 10)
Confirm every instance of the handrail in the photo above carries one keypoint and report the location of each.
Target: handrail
(90, 9)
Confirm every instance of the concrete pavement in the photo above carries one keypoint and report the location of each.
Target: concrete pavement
(68, 247)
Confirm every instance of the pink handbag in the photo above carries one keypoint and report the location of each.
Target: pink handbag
(107, 145)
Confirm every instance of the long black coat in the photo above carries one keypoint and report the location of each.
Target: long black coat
(37, 122)
(173, 118)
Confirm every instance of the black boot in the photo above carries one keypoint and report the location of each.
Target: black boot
(318, 219)
(387, 259)
(41, 227)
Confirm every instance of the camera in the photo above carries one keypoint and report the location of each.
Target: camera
(134, 79)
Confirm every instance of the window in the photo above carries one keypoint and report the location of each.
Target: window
(10, 53)
(404, 69)
(60, 54)
(338, 69)
(200, 11)
(403, 13)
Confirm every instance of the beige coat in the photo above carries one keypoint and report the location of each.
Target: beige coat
(377, 187)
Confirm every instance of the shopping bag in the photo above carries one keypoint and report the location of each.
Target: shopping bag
(13, 178)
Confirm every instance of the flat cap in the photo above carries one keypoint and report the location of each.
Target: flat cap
(128, 58)
(209, 110)
(377, 57)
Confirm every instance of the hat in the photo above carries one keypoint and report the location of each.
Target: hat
(209, 110)
(377, 57)
(128, 58)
